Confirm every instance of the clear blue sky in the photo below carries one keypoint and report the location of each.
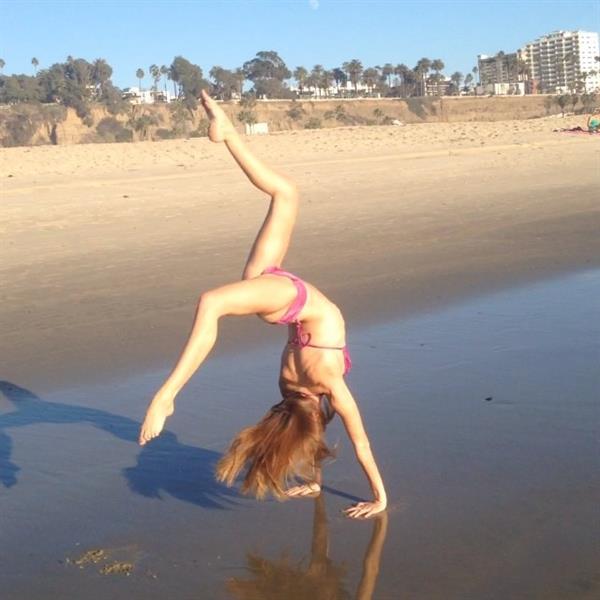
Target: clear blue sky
(304, 32)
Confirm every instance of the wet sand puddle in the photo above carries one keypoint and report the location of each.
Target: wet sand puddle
(482, 417)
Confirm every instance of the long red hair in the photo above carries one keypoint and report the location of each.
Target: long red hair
(287, 442)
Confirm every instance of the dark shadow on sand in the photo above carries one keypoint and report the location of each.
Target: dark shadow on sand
(163, 466)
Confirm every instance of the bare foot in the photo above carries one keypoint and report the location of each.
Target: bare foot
(302, 491)
(156, 415)
(220, 128)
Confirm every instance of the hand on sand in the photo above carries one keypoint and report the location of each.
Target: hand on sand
(156, 415)
(364, 510)
(220, 128)
(302, 491)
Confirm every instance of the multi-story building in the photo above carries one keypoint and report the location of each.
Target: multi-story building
(494, 69)
(436, 86)
(564, 61)
(500, 74)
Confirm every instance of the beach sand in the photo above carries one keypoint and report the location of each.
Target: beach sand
(105, 248)
(451, 249)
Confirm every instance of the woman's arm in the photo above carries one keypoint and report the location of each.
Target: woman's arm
(262, 295)
(345, 405)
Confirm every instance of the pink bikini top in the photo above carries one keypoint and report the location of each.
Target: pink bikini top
(302, 339)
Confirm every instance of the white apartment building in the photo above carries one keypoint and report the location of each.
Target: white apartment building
(564, 61)
(137, 96)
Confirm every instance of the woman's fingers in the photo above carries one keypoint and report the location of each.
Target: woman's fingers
(303, 490)
(363, 510)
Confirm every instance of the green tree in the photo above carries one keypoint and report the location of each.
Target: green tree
(574, 101)
(155, 73)
(142, 124)
(387, 71)
(369, 78)
(421, 71)
(35, 62)
(456, 79)
(101, 74)
(402, 73)
(562, 100)
(140, 75)
(316, 77)
(300, 74)
(226, 82)
(267, 71)
(239, 77)
(327, 81)
(437, 66)
(2, 64)
(339, 76)
(164, 71)
(19, 88)
(468, 81)
(190, 80)
(353, 69)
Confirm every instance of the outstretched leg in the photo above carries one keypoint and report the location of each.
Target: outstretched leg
(273, 238)
(256, 296)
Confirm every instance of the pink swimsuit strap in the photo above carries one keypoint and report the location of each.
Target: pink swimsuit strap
(301, 338)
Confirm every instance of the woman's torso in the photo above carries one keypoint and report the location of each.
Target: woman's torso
(304, 367)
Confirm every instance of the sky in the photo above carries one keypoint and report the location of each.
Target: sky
(133, 34)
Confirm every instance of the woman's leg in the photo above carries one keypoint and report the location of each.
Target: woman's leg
(257, 296)
(273, 238)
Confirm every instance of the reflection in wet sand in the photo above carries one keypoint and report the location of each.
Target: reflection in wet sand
(322, 578)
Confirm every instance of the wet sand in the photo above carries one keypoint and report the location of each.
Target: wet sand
(483, 417)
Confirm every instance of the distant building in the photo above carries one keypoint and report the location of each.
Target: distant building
(344, 91)
(501, 74)
(437, 86)
(564, 61)
(137, 96)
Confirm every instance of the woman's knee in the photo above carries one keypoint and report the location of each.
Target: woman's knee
(208, 302)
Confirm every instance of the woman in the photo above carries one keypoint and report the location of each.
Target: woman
(288, 441)
(593, 122)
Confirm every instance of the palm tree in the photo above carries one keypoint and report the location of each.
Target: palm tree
(475, 70)
(456, 79)
(155, 74)
(164, 71)
(327, 81)
(369, 78)
(339, 76)
(239, 77)
(35, 62)
(421, 70)
(316, 75)
(438, 66)
(140, 75)
(468, 81)
(2, 63)
(387, 71)
(101, 73)
(401, 71)
(300, 74)
(354, 69)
